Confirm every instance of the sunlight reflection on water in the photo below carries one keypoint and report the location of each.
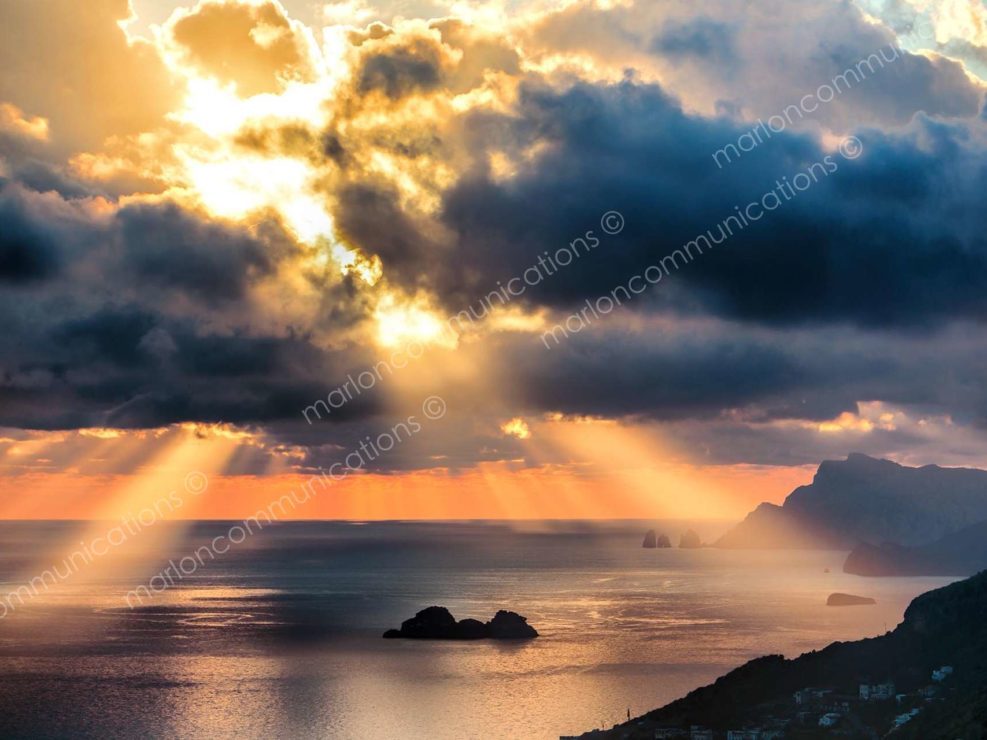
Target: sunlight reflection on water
(282, 639)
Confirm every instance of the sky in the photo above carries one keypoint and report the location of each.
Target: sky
(485, 260)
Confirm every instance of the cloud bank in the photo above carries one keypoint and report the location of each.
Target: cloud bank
(220, 221)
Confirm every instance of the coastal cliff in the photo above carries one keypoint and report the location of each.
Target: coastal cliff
(865, 500)
(945, 627)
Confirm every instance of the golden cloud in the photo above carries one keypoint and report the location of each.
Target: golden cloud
(252, 45)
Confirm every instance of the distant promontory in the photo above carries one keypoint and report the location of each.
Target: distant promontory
(866, 500)
(959, 553)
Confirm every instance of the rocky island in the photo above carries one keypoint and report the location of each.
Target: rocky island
(839, 599)
(437, 623)
(690, 540)
(653, 541)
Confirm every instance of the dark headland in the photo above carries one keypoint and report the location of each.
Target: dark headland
(896, 520)
(866, 500)
(959, 553)
(932, 668)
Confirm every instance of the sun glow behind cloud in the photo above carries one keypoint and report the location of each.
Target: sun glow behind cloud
(213, 170)
(400, 323)
(516, 427)
(214, 167)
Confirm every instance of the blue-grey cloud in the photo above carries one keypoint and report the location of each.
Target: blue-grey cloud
(892, 238)
(701, 38)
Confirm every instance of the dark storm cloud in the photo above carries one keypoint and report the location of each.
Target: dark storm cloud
(704, 38)
(177, 251)
(144, 246)
(124, 366)
(112, 335)
(725, 392)
(402, 245)
(141, 317)
(691, 371)
(28, 250)
(738, 391)
(893, 238)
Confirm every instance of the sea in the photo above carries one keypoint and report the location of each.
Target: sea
(280, 636)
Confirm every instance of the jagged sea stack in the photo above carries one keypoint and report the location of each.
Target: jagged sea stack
(649, 539)
(690, 540)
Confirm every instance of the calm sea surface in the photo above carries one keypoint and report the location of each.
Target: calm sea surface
(280, 637)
